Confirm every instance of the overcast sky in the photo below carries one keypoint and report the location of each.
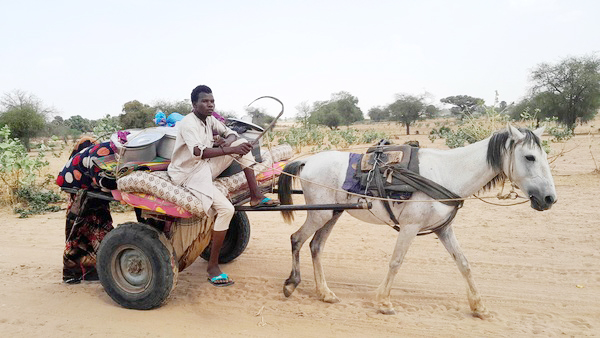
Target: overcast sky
(90, 57)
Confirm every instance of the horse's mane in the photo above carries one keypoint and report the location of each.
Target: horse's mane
(497, 150)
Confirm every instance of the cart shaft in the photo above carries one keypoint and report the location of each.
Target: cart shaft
(307, 207)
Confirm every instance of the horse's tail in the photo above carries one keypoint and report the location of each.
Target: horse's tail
(284, 187)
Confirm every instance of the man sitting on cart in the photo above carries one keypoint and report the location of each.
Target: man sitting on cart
(204, 148)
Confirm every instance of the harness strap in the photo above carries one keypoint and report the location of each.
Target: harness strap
(381, 191)
(379, 184)
(429, 187)
(441, 226)
(413, 179)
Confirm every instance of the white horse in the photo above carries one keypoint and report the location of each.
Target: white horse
(513, 153)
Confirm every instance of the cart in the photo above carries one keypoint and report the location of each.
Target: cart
(137, 264)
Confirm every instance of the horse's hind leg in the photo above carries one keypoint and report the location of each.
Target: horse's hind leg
(314, 221)
(316, 246)
(446, 236)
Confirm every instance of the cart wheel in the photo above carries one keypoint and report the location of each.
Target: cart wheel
(236, 240)
(136, 266)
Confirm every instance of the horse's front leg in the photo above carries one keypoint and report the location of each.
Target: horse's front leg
(405, 237)
(447, 237)
(316, 246)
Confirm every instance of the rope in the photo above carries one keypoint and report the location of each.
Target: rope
(366, 197)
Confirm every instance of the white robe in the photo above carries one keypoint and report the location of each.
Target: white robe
(192, 171)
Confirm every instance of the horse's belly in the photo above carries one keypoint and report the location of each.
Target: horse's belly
(377, 214)
(365, 216)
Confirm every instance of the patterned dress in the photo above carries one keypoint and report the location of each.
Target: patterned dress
(88, 219)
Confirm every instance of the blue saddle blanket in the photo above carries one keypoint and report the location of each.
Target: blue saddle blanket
(352, 182)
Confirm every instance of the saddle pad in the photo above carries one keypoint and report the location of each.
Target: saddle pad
(352, 182)
(387, 158)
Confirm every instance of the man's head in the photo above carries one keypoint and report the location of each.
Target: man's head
(203, 101)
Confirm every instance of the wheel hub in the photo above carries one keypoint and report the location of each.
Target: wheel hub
(132, 269)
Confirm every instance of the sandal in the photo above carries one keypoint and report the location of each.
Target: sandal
(221, 280)
(266, 202)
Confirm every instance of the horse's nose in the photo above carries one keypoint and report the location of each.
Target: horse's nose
(550, 199)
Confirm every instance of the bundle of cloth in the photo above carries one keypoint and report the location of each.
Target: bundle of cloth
(88, 220)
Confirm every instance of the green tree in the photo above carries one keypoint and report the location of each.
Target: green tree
(24, 114)
(406, 110)
(303, 113)
(431, 111)
(79, 123)
(58, 128)
(259, 117)
(532, 108)
(502, 106)
(341, 109)
(463, 104)
(182, 107)
(569, 90)
(226, 114)
(137, 115)
(58, 120)
(106, 126)
(378, 114)
(326, 115)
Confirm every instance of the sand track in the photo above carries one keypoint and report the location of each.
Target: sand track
(538, 273)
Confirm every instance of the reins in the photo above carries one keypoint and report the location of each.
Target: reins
(374, 198)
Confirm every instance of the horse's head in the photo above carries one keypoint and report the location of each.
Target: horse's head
(519, 154)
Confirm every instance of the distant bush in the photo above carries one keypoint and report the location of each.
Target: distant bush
(36, 200)
(324, 139)
(20, 174)
(471, 129)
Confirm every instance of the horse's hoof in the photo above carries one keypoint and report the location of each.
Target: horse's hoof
(332, 298)
(387, 311)
(482, 314)
(288, 289)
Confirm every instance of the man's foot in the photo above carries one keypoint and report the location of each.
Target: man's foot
(265, 202)
(213, 271)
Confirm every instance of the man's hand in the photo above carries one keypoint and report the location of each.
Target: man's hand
(242, 149)
(218, 141)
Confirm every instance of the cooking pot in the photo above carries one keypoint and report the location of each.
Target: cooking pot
(141, 148)
(114, 138)
(166, 144)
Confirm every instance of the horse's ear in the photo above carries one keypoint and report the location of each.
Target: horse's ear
(514, 133)
(538, 132)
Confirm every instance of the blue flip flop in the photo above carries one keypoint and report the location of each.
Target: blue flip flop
(221, 280)
(266, 202)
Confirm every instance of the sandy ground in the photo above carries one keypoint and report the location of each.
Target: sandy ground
(538, 273)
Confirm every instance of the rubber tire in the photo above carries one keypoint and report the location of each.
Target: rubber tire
(160, 257)
(236, 240)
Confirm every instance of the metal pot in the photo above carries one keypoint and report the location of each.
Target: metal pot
(146, 153)
(142, 148)
(165, 146)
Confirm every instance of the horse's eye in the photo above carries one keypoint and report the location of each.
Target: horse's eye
(530, 158)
